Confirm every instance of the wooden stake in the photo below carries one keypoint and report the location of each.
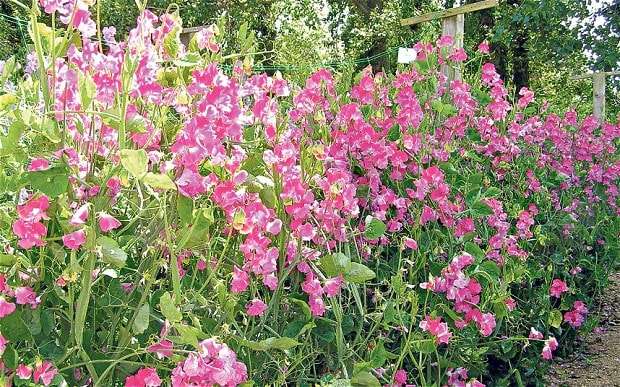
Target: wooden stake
(453, 26)
(598, 87)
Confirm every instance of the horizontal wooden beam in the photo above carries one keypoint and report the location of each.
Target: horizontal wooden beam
(590, 75)
(191, 30)
(449, 12)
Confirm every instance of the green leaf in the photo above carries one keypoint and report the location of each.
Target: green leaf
(555, 318)
(374, 228)
(379, 355)
(10, 357)
(168, 309)
(14, 328)
(53, 182)
(424, 345)
(7, 100)
(7, 259)
(335, 264)
(492, 192)
(135, 162)
(365, 379)
(185, 207)
(141, 323)
(481, 209)
(110, 252)
(359, 273)
(159, 181)
(136, 124)
(281, 343)
(474, 250)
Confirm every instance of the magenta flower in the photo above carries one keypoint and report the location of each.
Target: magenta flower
(400, 376)
(435, 327)
(557, 288)
(256, 307)
(240, 280)
(145, 377)
(38, 164)
(162, 349)
(483, 47)
(108, 222)
(74, 240)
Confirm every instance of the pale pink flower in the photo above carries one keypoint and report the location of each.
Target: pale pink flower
(333, 285)
(23, 371)
(274, 226)
(411, 243)
(3, 343)
(80, 215)
(551, 345)
(44, 373)
(6, 308)
(25, 295)
(108, 222)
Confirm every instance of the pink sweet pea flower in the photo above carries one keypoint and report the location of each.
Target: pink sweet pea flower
(306, 232)
(74, 240)
(38, 164)
(436, 328)
(108, 222)
(535, 334)
(400, 376)
(44, 373)
(274, 227)
(162, 349)
(511, 304)
(25, 295)
(3, 343)
(411, 244)
(333, 285)
(445, 40)
(551, 345)
(23, 371)
(483, 47)
(79, 216)
(240, 280)
(145, 377)
(464, 226)
(557, 288)
(256, 307)
(6, 308)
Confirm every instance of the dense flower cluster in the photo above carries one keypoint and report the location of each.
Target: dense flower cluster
(257, 208)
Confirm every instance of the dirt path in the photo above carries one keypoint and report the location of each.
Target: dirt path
(597, 361)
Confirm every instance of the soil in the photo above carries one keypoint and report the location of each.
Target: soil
(596, 361)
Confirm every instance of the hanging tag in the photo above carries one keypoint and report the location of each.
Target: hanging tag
(406, 55)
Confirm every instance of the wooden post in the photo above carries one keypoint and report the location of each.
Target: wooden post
(453, 26)
(452, 23)
(187, 33)
(598, 87)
